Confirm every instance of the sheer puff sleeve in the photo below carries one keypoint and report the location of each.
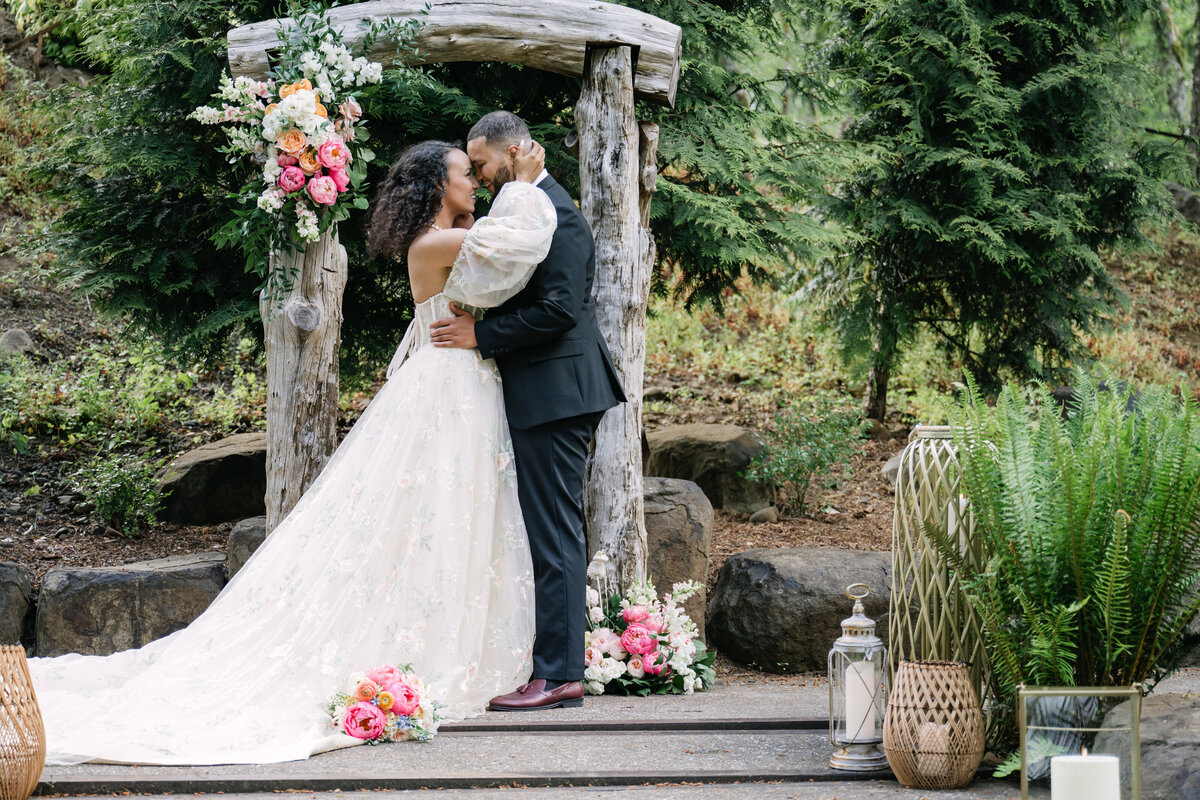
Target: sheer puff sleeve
(502, 249)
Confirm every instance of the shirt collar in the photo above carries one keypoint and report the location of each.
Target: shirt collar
(545, 174)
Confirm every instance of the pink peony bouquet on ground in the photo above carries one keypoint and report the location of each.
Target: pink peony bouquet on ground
(638, 644)
(385, 704)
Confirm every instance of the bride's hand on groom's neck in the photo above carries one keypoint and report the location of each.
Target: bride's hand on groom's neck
(528, 161)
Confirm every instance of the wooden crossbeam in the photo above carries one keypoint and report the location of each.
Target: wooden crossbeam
(550, 35)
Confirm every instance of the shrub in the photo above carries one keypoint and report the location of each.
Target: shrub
(1090, 524)
(123, 489)
(808, 438)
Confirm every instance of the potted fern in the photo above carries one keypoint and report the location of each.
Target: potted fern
(1090, 521)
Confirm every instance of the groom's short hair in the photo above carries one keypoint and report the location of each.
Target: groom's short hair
(499, 129)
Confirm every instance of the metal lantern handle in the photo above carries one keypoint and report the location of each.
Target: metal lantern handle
(855, 593)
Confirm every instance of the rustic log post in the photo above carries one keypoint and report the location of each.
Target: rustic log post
(610, 178)
(303, 334)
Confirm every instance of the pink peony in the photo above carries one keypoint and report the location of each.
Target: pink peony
(634, 667)
(635, 614)
(333, 154)
(655, 664)
(606, 641)
(639, 639)
(291, 179)
(340, 179)
(406, 699)
(655, 623)
(364, 721)
(322, 190)
(385, 675)
(351, 110)
(285, 160)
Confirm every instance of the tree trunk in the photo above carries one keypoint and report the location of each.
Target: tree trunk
(1195, 127)
(611, 174)
(1172, 61)
(883, 354)
(303, 334)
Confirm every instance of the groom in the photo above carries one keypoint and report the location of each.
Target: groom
(558, 382)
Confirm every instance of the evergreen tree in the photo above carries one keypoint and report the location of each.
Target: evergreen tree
(143, 189)
(1009, 154)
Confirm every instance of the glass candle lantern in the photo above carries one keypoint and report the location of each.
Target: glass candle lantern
(857, 691)
(1085, 749)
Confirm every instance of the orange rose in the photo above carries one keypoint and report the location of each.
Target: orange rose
(309, 162)
(287, 90)
(292, 141)
(321, 112)
(270, 108)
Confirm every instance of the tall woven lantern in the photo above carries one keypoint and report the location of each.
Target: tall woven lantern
(22, 735)
(933, 732)
(931, 619)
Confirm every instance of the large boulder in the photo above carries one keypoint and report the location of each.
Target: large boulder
(244, 539)
(713, 457)
(1170, 733)
(16, 601)
(102, 610)
(16, 341)
(1186, 202)
(217, 482)
(679, 523)
(780, 610)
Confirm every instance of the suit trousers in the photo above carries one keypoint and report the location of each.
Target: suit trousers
(550, 471)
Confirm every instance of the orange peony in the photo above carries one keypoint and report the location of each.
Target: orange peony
(321, 112)
(292, 141)
(309, 162)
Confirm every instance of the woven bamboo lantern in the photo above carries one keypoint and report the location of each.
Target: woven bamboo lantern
(930, 616)
(22, 736)
(933, 733)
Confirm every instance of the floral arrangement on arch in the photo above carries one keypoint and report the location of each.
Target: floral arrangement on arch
(385, 704)
(304, 132)
(640, 644)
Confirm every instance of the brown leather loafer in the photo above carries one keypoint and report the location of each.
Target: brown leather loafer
(534, 696)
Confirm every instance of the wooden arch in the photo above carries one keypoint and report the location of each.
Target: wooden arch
(620, 53)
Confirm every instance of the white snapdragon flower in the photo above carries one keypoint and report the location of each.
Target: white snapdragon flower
(271, 201)
(244, 139)
(324, 85)
(307, 224)
(206, 115)
(271, 170)
(228, 91)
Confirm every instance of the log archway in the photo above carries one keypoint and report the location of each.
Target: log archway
(621, 54)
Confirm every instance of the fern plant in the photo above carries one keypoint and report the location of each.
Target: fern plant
(1090, 520)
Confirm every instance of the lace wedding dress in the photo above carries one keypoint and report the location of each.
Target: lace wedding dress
(409, 547)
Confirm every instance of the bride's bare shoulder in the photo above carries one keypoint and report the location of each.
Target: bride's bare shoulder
(438, 248)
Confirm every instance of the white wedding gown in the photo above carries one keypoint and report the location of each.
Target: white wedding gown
(409, 547)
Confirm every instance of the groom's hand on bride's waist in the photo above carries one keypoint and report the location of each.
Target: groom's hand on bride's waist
(459, 331)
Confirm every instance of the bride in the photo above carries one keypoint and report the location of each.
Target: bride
(409, 547)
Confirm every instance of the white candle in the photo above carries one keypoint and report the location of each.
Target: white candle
(933, 750)
(860, 701)
(1085, 777)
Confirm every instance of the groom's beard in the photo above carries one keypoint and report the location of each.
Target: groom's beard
(503, 176)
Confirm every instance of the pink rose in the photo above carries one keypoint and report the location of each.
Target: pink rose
(385, 675)
(333, 154)
(364, 721)
(291, 179)
(285, 160)
(655, 664)
(340, 179)
(639, 639)
(591, 657)
(344, 128)
(635, 614)
(322, 190)
(634, 667)
(655, 623)
(351, 110)
(406, 699)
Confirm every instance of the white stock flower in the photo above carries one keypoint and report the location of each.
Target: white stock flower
(593, 597)
(271, 200)
(596, 614)
(689, 684)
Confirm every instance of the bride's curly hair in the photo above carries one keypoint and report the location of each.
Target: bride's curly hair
(408, 199)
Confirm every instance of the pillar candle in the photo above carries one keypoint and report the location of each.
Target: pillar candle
(860, 701)
(1085, 777)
